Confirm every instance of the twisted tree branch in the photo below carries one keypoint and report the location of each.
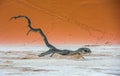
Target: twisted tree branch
(35, 30)
(52, 49)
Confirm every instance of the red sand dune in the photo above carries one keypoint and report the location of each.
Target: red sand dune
(63, 21)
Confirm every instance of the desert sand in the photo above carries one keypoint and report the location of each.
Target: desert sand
(23, 61)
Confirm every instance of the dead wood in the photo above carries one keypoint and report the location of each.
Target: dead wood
(52, 49)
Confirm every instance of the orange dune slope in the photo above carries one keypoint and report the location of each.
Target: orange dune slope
(63, 21)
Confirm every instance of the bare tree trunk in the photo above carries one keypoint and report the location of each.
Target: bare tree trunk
(52, 49)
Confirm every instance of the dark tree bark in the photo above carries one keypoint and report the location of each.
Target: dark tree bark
(52, 49)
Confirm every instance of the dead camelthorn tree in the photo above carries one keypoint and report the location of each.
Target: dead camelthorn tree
(52, 49)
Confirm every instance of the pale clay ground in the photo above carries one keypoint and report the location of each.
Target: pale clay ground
(103, 61)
